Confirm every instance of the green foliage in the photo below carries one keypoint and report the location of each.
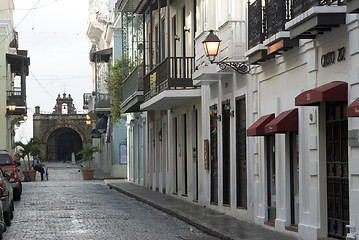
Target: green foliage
(87, 151)
(115, 76)
(29, 148)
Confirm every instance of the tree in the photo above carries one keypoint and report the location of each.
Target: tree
(116, 75)
(87, 152)
(29, 148)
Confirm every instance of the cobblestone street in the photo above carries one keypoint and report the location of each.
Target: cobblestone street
(67, 207)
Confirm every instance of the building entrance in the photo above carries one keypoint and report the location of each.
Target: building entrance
(337, 169)
(61, 132)
(62, 143)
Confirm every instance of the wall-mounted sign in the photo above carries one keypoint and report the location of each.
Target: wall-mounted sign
(123, 153)
(330, 57)
(206, 154)
(153, 84)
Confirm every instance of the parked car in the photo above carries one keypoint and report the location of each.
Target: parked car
(11, 172)
(2, 222)
(7, 199)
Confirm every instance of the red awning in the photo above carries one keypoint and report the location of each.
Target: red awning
(353, 109)
(257, 129)
(285, 122)
(330, 92)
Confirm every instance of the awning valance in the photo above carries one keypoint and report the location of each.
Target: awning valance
(257, 128)
(285, 122)
(330, 92)
(353, 109)
(101, 55)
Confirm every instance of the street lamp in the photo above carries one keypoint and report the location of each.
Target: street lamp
(211, 47)
(12, 106)
(88, 119)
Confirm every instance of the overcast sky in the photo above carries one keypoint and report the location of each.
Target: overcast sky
(54, 33)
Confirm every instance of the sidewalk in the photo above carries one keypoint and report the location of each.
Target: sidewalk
(209, 221)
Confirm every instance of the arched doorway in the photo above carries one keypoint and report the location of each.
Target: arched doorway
(61, 143)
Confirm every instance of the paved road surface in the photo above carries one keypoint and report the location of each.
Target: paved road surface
(67, 207)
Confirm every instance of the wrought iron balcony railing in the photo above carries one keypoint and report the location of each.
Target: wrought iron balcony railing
(103, 100)
(256, 28)
(86, 100)
(18, 98)
(300, 6)
(266, 21)
(133, 83)
(276, 15)
(171, 73)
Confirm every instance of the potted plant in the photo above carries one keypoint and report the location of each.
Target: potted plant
(85, 163)
(27, 149)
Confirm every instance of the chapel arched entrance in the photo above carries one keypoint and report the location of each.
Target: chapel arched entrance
(61, 143)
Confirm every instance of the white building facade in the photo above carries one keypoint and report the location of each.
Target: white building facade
(306, 76)
(14, 67)
(226, 180)
(98, 103)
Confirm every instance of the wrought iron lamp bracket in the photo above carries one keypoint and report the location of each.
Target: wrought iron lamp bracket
(239, 67)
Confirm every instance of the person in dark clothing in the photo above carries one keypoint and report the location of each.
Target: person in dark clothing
(38, 167)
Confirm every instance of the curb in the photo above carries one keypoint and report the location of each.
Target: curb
(188, 219)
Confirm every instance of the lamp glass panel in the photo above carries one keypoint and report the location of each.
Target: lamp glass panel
(12, 107)
(211, 48)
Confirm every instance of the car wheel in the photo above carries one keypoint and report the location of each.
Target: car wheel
(17, 194)
(7, 218)
(12, 211)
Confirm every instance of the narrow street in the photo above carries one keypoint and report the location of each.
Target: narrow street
(67, 207)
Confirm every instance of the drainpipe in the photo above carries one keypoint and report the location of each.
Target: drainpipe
(95, 82)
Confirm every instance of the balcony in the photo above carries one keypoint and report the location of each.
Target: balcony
(86, 100)
(103, 101)
(278, 26)
(99, 103)
(256, 34)
(16, 97)
(232, 48)
(270, 32)
(144, 5)
(352, 6)
(132, 91)
(169, 84)
(19, 65)
(312, 17)
(278, 40)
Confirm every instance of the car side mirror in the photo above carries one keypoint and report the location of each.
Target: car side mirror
(17, 164)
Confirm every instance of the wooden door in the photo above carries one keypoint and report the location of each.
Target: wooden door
(214, 154)
(226, 154)
(241, 152)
